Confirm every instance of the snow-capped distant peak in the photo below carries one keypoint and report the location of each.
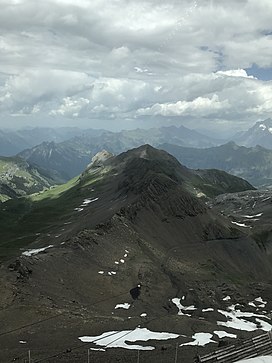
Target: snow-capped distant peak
(264, 127)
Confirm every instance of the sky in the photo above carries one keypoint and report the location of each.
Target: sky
(119, 64)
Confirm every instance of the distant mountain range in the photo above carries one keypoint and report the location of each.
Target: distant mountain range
(65, 152)
(18, 178)
(13, 142)
(259, 134)
(67, 159)
(253, 164)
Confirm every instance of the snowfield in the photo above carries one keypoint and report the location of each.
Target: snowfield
(234, 319)
(115, 339)
(263, 359)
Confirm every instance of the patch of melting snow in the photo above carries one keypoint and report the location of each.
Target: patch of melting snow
(245, 314)
(254, 216)
(223, 334)
(227, 298)
(85, 203)
(200, 339)
(119, 339)
(262, 359)
(264, 325)
(251, 303)
(98, 349)
(181, 307)
(125, 306)
(260, 300)
(35, 251)
(88, 201)
(237, 323)
(240, 224)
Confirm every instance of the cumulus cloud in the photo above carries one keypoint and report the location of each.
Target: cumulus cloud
(201, 106)
(129, 59)
(22, 92)
(231, 95)
(235, 73)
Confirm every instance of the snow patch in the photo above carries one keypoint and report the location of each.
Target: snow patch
(181, 307)
(237, 323)
(125, 306)
(34, 252)
(222, 334)
(260, 300)
(118, 339)
(200, 339)
(88, 201)
(250, 217)
(240, 224)
(262, 359)
(227, 298)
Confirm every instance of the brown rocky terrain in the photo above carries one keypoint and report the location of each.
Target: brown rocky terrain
(131, 219)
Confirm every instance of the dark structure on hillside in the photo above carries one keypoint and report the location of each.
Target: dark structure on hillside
(135, 292)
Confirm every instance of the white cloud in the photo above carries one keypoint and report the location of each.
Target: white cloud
(235, 73)
(123, 59)
(201, 106)
(40, 86)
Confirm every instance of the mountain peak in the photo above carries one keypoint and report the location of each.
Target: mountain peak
(265, 125)
(260, 133)
(100, 158)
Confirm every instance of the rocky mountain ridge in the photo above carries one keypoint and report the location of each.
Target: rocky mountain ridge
(78, 250)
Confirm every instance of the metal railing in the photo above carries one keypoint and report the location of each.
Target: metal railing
(250, 348)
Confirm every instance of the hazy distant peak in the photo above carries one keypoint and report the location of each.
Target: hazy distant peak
(265, 125)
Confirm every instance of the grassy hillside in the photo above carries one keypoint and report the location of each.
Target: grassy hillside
(23, 220)
(19, 178)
